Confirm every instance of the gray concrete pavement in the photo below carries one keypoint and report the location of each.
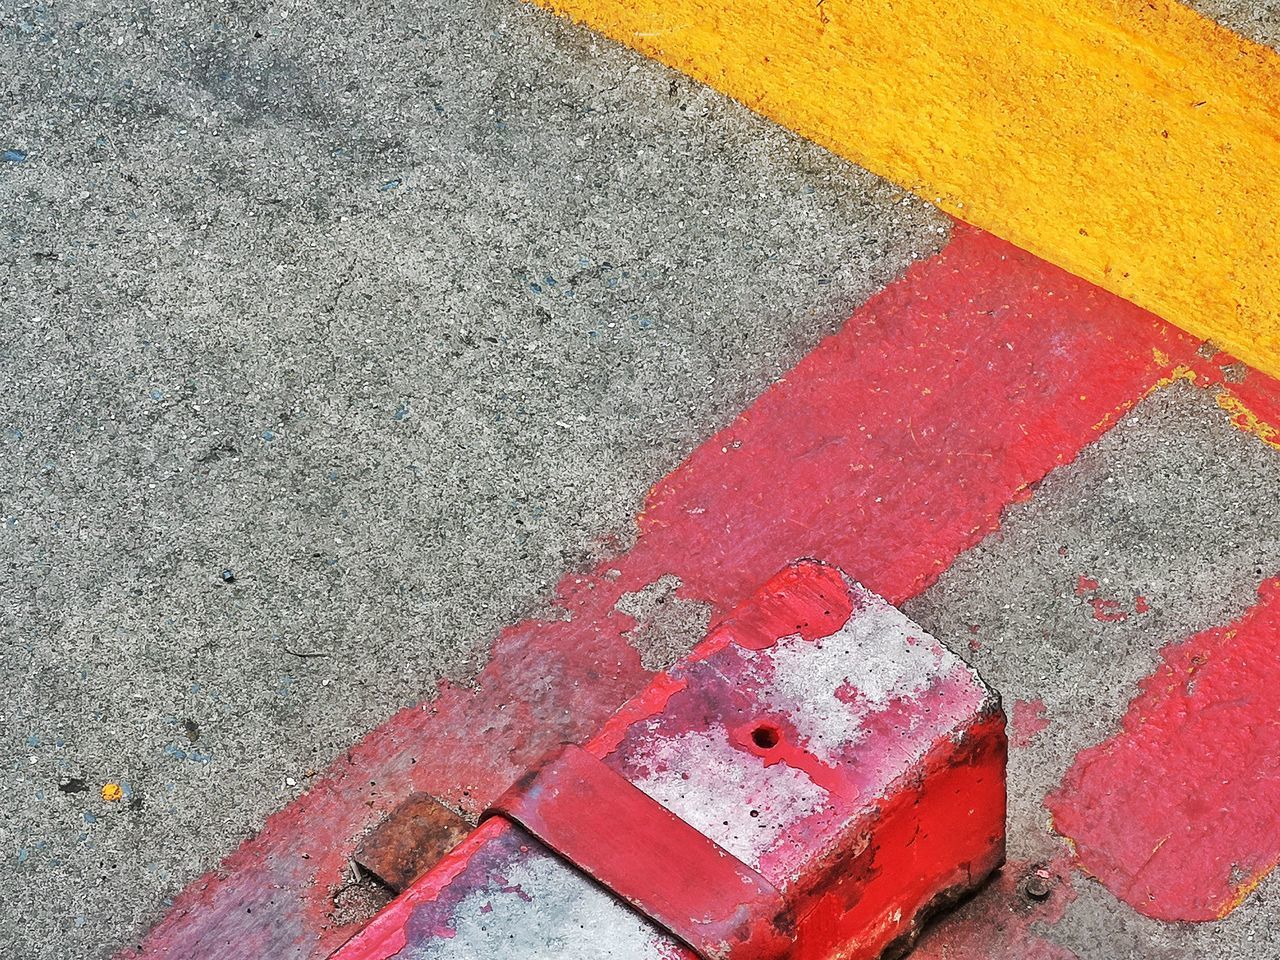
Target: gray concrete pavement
(333, 335)
(342, 331)
(1175, 505)
(1258, 20)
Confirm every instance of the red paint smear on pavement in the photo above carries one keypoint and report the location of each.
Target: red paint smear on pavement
(1029, 719)
(1108, 611)
(1178, 813)
(1000, 923)
(888, 450)
(1086, 585)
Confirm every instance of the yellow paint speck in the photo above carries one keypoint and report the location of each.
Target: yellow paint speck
(112, 792)
(1247, 420)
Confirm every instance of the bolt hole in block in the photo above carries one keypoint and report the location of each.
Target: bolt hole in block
(842, 764)
(765, 737)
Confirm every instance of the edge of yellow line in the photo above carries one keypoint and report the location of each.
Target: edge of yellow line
(1136, 144)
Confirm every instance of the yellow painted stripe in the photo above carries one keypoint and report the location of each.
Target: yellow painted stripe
(1132, 142)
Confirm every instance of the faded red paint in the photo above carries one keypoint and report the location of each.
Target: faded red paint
(1176, 814)
(999, 924)
(1086, 585)
(1029, 719)
(947, 395)
(1107, 609)
(547, 682)
(888, 450)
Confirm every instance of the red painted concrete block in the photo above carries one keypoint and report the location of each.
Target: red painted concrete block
(818, 738)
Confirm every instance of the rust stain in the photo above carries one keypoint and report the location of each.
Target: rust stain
(414, 838)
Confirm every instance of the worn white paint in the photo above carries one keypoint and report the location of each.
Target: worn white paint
(709, 783)
(879, 656)
(566, 917)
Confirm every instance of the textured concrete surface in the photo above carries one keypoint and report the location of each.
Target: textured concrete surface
(332, 337)
(1174, 505)
(1073, 129)
(1256, 19)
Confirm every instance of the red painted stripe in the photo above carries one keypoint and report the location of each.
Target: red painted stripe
(1179, 814)
(891, 448)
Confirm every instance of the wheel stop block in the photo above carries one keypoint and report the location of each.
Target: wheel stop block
(812, 781)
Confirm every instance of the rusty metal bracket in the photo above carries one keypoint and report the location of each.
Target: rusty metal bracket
(645, 855)
(410, 841)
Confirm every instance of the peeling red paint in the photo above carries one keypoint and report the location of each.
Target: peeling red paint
(547, 681)
(888, 450)
(1108, 611)
(1086, 585)
(946, 395)
(1176, 813)
(1029, 718)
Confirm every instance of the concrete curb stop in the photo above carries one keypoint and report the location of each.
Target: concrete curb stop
(821, 742)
